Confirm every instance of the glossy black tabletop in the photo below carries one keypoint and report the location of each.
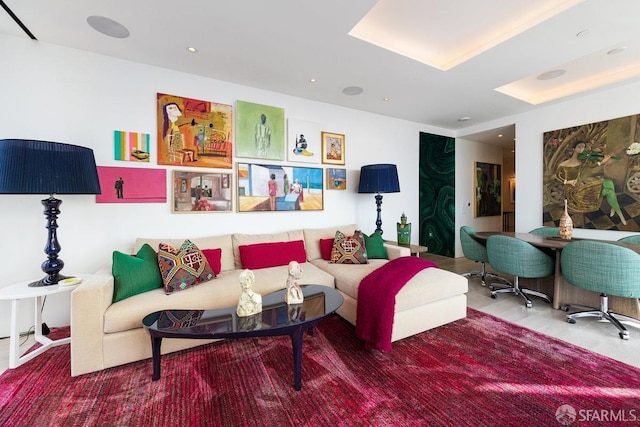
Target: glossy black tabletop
(319, 302)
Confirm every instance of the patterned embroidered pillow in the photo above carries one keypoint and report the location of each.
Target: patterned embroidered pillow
(183, 267)
(349, 249)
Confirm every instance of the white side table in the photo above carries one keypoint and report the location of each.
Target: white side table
(22, 291)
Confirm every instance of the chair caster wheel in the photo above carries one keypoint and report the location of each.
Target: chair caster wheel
(572, 321)
(493, 296)
(529, 305)
(623, 336)
(565, 308)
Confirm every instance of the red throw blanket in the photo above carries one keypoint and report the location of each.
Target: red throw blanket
(377, 299)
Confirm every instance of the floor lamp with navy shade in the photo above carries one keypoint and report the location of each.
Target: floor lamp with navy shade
(43, 167)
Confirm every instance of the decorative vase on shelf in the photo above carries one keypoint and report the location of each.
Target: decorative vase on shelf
(566, 224)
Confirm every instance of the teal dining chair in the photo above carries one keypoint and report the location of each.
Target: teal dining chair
(606, 268)
(634, 239)
(546, 231)
(513, 256)
(475, 251)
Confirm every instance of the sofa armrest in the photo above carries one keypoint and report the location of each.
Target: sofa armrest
(394, 251)
(89, 302)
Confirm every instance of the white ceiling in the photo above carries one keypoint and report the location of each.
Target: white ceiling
(279, 45)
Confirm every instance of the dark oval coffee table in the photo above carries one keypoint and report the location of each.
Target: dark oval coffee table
(276, 318)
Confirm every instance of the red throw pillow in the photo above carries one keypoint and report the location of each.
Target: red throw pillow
(262, 255)
(325, 248)
(213, 257)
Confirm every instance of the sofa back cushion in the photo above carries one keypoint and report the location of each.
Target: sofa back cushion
(312, 238)
(213, 242)
(252, 239)
(262, 255)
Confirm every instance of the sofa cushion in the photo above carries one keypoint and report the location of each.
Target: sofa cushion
(213, 257)
(349, 249)
(239, 239)
(312, 238)
(375, 246)
(347, 277)
(182, 267)
(429, 285)
(325, 248)
(135, 274)
(262, 255)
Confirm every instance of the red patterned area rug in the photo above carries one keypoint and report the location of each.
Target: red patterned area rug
(478, 371)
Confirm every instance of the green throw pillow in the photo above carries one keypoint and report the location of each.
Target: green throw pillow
(375, 246)
(135, 274)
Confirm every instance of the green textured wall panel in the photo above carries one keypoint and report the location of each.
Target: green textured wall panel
(437, 186)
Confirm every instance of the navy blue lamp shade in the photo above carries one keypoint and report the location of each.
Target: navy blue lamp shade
(380, 178)
(43, 167)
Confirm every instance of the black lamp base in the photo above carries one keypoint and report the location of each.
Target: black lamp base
(52, 279)
(379, 210)
(52, 265)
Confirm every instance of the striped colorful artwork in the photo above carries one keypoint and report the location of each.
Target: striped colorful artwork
(132, 146)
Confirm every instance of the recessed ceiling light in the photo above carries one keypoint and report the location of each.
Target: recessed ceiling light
(464, 119)
(312, 80)
(386, 99)
(553, 74)
(192, 49)
(617, 50)
(583, 33)
(352, 90)
(500, 135)
(108, 27)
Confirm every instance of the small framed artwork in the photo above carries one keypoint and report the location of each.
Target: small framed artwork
(279, 188)
(333, 148)
(336, 179)
(131, 146)
(303, 141)
(512, 190)
(132, 185)
(201, 192)
(487, 188)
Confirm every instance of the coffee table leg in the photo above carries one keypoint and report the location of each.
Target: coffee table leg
(155, 351)
(296, 341)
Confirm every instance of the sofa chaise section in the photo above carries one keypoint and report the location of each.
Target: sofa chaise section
(430, 299)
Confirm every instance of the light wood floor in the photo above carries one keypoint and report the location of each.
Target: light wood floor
(589, 333)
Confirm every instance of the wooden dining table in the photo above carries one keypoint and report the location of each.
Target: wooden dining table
(564, 292)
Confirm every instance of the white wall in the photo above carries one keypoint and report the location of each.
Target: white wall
(58, 94)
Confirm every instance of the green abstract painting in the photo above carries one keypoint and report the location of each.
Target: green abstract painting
(260, 131)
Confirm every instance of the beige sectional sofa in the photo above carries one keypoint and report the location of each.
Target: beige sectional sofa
(106, 334)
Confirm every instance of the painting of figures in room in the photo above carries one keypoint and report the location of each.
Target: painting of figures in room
(201, 192)
(596, 167)
(194, 133)
(488, 198)
(279, 188)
